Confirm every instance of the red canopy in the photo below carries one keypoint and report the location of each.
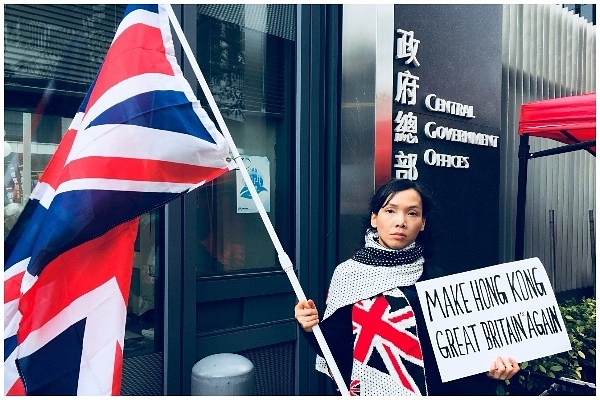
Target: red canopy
(568, 120)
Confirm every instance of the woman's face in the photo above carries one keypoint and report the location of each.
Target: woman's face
(400, 220)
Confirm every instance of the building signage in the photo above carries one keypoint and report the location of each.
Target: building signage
(433, 103)
(442, 125)
(406, 124)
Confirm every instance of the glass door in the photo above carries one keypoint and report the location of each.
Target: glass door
(242, 296)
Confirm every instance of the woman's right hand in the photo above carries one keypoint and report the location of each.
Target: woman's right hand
(306, 314)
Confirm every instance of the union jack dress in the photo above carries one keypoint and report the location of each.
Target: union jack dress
(387, 353)
(387, 358)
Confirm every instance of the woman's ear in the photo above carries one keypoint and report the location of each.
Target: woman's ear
(423, 227)
(374, 220)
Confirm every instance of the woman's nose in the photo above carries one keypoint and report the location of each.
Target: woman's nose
(400, 221)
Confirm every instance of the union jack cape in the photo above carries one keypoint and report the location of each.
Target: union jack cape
(139, 140)
(387, 358)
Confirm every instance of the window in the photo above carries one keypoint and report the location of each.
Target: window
(246, 53)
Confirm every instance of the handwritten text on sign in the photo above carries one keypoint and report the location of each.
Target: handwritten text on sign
(506, 310)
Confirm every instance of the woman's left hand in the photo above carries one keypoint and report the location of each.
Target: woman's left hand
(503, 368)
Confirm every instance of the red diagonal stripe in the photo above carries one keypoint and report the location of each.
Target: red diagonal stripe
(136, 169)
(117, 370)
(12, 287)
(75, 273)
(17, 389)
(53, 171)
(372, 324)
(137, 50)
(405, 382)
(398, 318)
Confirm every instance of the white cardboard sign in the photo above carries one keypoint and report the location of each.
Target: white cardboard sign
(506, 310)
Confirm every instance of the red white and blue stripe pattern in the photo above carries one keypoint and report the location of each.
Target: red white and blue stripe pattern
(139, 140)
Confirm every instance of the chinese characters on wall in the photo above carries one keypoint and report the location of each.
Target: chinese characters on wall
(406, 124)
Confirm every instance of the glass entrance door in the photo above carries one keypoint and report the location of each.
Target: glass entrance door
(242, 297)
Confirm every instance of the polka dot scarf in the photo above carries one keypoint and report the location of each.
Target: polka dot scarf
(374, 269)
(375, 254)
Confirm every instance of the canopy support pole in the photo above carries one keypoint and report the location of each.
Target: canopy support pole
(563, 149)
(524, 157)
(521, 196)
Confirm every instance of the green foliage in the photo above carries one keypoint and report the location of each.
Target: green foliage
(578, 363)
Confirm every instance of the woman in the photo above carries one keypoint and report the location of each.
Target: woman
(393, 357)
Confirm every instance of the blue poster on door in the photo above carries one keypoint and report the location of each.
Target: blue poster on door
(258, 169)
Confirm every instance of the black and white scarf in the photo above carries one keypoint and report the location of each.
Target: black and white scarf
(387, 354)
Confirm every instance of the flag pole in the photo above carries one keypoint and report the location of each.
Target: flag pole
(284, 259)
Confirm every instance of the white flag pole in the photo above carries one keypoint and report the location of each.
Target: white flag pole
(284, 259)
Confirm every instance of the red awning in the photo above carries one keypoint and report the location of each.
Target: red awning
(568, 120)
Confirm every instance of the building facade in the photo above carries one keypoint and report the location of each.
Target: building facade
(324, 103)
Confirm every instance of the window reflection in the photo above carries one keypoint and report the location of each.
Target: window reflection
(246, 55)
(30, 140)
(228, 241)
(142, 308)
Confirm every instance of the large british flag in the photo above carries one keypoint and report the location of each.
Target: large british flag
(139, 140)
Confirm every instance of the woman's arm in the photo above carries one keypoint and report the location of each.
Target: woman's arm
(337, 331)
(306, 314)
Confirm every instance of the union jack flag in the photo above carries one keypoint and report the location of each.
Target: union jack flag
(385, 340)
(354, 388)
(139, 140)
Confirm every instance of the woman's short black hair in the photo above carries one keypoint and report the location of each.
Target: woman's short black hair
(385, 192)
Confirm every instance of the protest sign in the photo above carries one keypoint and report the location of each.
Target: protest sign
(507, 310)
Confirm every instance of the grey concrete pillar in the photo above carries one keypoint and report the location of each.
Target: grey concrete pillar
(223, 374)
